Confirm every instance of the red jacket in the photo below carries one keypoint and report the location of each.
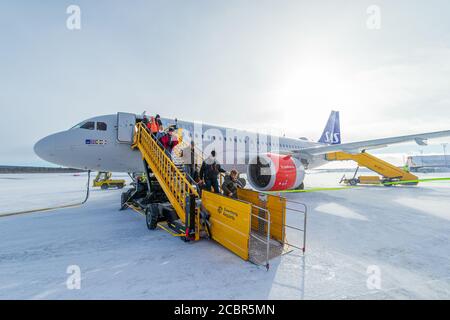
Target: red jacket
(167, 142)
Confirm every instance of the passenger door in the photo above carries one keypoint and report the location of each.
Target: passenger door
(125, 127)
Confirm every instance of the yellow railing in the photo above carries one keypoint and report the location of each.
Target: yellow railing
(373, 163)
(174, 182)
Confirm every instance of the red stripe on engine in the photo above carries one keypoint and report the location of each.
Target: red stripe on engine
(286, 172)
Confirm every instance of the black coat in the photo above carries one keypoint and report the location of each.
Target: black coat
(210, 171)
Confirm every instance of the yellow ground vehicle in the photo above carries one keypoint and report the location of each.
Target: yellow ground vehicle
(104, 181)
(362, 180)
(389, 173)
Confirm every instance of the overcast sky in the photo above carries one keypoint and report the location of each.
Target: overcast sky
(241, 63)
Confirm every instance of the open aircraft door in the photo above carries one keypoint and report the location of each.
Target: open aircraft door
(125, 127)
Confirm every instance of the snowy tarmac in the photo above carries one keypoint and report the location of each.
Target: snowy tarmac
(363, 243)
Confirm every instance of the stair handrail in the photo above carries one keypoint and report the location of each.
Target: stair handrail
(162, 162)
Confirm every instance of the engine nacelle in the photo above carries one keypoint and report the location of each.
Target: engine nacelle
(275, 172)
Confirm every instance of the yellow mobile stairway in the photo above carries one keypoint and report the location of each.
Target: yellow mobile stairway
(252, 226)
(390, 173)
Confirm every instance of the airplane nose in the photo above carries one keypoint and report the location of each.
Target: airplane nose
(45, 148)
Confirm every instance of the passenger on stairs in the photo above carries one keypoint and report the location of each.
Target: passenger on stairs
(153, 126)
(231, 184)
(145, 121)
(188, 156)
(158, 120)
(209, 172)
(169, 141)
(160, 133)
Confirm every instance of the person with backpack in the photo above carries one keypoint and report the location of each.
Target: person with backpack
(169, 141)
(209, 172)
(231, 184)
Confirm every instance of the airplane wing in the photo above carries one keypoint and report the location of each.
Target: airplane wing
(356, 147)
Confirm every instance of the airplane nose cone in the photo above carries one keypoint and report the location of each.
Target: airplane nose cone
(45, 148)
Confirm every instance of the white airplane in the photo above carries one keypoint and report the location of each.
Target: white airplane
(271, 162)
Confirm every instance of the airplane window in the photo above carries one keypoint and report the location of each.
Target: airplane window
(90, 125)
(101, 126)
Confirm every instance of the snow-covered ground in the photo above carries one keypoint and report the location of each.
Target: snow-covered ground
(401, 234)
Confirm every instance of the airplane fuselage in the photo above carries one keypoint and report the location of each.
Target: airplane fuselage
(95, 144)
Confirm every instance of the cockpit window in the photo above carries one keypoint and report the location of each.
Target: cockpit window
(90, 125)
(101, 126)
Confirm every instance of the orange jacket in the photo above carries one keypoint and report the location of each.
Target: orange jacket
(153, 126)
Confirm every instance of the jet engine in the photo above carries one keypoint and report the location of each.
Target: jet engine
(275, 172)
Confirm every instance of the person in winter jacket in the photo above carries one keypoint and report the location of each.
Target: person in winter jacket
(169, 141)
(231, 184)
(153, 126)
(160, 133)
(188, 156)
(209, 172)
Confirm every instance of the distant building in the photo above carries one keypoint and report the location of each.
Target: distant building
(428, 163)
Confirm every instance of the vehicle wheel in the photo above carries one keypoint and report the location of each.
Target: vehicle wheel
(184, 239)
(301, 186)
(105, 186)
(123, 199)
(151, 218)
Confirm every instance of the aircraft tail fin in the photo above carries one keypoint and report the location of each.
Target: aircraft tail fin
(332, 132)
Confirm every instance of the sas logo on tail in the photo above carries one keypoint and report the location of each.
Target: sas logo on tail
(332, 138)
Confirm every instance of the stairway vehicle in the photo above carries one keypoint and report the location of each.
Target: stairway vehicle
(389, 173)
(252, 228)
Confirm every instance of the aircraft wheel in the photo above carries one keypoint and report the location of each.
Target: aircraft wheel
(301, 186)
(151, 218)
(352, 182)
